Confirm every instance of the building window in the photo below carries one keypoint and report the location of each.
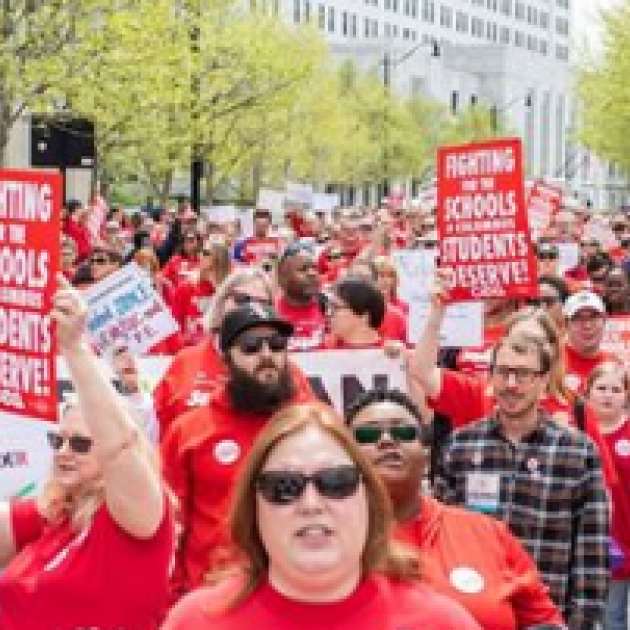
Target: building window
(544, 20)
(297, 6)
(562, 26)
(504, 36)
(446, 17)
(344, 23)
(519, 11)
(353, 25)
(545, 132)
(321, 17)
(461, 22)
(506, 7)
(560, 168)
(519, 39)
(562, 53)
(331, 19)
(543, 46)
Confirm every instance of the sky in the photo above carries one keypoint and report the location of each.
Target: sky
(586, 20)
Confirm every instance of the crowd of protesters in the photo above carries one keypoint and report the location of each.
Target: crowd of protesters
(494, 493)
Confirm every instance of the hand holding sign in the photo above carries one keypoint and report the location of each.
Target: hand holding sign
(440, 288)
(70, 313)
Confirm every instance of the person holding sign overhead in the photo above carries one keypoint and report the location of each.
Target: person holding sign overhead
(72, 558)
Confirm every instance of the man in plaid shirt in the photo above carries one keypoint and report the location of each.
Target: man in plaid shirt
(542, 479)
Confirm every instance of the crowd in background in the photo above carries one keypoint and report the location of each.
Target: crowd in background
(504, 468)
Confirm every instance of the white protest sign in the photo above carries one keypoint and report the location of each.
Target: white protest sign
(335, 375)
(220, 214)
(569, 256)
(598, 230)
(25, 457)
(323, 202)
(272, 200)
(301, 194)
(124, 309)
(463, 323)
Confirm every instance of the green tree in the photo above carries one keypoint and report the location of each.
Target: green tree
(604, 93)
(38, 54)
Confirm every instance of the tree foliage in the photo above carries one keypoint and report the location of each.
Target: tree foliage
(604, 92)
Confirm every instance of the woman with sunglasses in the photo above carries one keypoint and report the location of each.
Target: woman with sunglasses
(93, 551)
(198, 371)
(355, 310)
(312, 522)
(466, 556)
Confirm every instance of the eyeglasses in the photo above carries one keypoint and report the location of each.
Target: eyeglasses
(522, 375)
(79, 444)
(372, 434)
(99, 260)
(544, 302)
(241, 299)
(333, 307)
(547, 256)
(253, 344)
(280, 487)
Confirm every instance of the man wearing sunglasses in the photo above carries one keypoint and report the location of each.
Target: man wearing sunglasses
(204, 449)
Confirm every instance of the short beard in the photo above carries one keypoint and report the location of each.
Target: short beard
(250, 396)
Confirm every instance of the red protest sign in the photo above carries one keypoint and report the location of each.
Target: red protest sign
(30, 227)
(616, 338)
(482, 222)
(543, 204)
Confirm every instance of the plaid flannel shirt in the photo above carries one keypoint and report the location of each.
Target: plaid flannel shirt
(553, 498)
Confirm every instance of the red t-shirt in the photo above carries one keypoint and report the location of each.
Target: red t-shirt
(377, 604)
(309, 323)
(255, 250)
(395, 325)
(465, 399)
(202, 453)
(190, 301)
(618, 442)
(401, 305)
(578, 367)
(180, 269)
(193, 377)
(476, 561)
(98, 578)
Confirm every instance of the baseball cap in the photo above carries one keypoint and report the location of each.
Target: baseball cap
(583, 299)
(249, 316)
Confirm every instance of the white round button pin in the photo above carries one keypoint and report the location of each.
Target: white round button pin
(622, 447)
(226, 451)
(467, 580)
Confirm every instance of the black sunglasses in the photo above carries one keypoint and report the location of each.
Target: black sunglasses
(241, 299)
(253, 344)
(78, 443)
(547, 256)
(99, 260)
(372, 434)
(545, 302)
(280, 487)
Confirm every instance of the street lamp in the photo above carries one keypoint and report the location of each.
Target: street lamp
(496, 110)
(389, 64)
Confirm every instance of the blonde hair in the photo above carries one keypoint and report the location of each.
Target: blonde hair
(380, 554)
(244, 275)
(608, 367)
(385, 265)
(147, 255)
(557, 386)
(56, 503)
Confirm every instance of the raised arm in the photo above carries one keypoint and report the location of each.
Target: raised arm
(423, 367)
(7, 541)
(133, 488)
